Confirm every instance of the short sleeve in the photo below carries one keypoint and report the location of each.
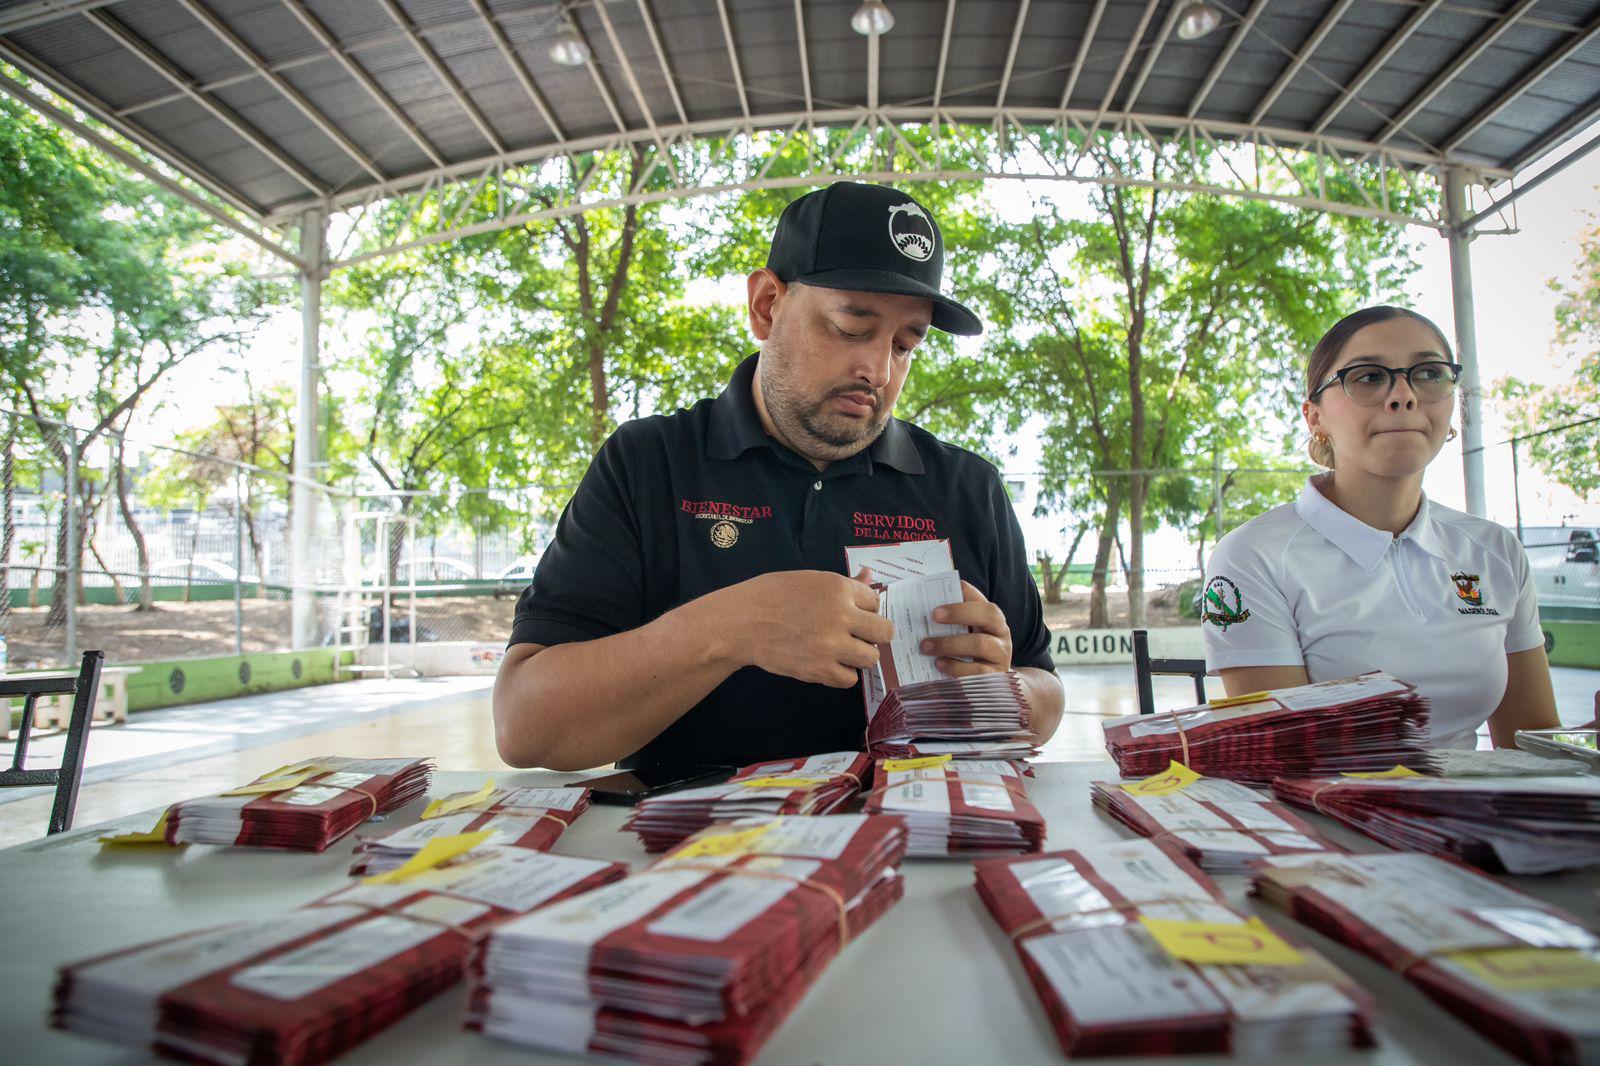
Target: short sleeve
(1244, 613)
(1523, 632)
(590, 580)
(1011, 584)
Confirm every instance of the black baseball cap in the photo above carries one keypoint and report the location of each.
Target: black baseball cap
(867, 238)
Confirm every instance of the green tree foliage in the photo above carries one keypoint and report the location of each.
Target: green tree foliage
(1158, 328)
(107, 283)
(1571, 456)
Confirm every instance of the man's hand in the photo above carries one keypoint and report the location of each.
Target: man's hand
(807, 624)
(988, 645)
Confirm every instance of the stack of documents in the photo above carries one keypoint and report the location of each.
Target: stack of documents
(1219, 825)
(965, 809)
(306, 986)
(700, 957)
(1371, 722)
(1522, 972)
(1518, 825)
(1133, 951)
(817, 785)
(531, 818)
(304, 807)
(910, 703)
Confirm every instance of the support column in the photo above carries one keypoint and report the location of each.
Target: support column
(307, 438)
(1456, 213)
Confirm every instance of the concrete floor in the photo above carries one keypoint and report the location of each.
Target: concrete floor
(158, 757)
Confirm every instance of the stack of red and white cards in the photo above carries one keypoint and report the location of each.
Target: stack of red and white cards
(1370, 722)
(909, 701)
(700, 957)
(1519, 825)
(1522, 972)
(1133, 951)
(1017, 752)
(958, 809)
(1219, 825)
(519, 817)
(307, 986)
(819, 784)
(303, 807)
(986, 712)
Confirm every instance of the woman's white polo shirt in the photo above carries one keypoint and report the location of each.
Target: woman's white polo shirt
(1440, 606)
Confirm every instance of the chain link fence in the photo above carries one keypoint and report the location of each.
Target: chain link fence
(159, 553)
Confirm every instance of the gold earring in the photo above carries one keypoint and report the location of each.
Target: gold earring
(1451, 435)
(1321, 438)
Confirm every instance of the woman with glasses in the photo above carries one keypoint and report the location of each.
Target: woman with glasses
(1364, 572)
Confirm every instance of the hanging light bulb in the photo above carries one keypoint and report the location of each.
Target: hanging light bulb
(872, 19)
(569, 50)
(1197, 20)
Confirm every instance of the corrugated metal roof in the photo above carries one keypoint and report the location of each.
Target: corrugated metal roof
(156, 70)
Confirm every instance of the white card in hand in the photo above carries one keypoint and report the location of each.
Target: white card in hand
(909, 604)
(896, 562)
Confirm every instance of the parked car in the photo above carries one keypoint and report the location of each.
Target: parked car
(516, 577)
(199, 571)
(1565, 561)
(429, 568)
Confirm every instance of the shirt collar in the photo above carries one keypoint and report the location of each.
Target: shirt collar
(1364, 545)
(736, 427)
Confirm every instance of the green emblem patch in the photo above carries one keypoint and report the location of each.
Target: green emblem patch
(1218, 610)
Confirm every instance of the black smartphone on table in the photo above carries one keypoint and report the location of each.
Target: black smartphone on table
(627, 787)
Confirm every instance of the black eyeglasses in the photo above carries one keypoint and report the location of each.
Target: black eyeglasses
(1371, 383)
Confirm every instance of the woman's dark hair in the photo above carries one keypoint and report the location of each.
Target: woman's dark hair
(1331, 346)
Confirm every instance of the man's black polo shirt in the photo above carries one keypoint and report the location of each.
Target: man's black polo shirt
(674, 507)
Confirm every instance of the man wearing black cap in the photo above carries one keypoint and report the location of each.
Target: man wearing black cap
(694, 605)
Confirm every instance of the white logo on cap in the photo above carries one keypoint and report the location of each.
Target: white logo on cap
(912, 231)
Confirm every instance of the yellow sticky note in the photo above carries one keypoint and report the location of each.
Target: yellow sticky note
(156, 835)
(1240, 701)
(459, 802)
(736, 842)
(926, 762)
(1175, 778)
(783, 782)
(272, 784)
(1378, 775)
(435, 852)
(1533, 969)
(1250, 944)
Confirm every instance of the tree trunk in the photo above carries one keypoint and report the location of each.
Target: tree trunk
(141, 550)
(1136, 552)
(8, 476)
(116, 585)
(56, 617)
(599, 401)
(1050, 580)
(1102, 556)
(194, 546)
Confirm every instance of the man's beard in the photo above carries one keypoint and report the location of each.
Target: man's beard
(816, 431)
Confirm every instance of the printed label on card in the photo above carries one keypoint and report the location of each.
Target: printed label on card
(1248, 944)
(273, 784)
(435, 852)
(1175, 778)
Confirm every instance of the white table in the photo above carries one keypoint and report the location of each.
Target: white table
(934, 982)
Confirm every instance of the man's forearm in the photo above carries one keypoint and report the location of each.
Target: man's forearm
(1045, 697)
(576, 706)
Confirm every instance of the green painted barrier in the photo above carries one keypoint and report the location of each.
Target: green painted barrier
(172, 684)
(1572, 643)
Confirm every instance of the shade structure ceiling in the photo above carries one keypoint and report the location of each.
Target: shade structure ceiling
(280, 105)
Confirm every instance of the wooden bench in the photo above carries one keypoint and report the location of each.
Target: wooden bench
(54, 712)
